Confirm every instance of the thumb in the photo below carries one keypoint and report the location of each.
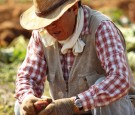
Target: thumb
(46, 98)
(48, 110)
(34, 100)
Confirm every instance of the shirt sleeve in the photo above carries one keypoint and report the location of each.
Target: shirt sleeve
(32, 73)
(111, 54)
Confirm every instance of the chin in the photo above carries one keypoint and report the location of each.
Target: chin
(60, 39)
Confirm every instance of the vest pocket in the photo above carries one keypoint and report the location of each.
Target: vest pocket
(82, 83)
(85, 81)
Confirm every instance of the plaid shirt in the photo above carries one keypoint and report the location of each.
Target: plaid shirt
(32, 73)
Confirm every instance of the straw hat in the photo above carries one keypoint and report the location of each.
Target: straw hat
(44, 12)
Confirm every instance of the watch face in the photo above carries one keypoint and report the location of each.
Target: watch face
(78, 103)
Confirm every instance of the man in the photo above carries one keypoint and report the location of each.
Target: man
(82, 55)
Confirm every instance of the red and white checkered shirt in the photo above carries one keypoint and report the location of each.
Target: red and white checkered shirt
(32, 73)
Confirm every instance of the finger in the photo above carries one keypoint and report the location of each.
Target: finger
(34, 100)
(132, 96)
(46, 99)
(23, 113)
(45, 113)
(49, 100)
(28, 113)
(30, 110)
(48, 110)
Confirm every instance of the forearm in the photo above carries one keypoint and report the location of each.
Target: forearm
(32, 73)
(104, 93)
(111, 54)
(25, 86)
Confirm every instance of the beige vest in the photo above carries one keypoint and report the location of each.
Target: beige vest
(85, 70)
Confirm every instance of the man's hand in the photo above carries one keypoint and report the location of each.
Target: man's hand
(28, 105)
(42, 104)
(59, 107)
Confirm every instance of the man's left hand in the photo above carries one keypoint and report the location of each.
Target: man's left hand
(59, 107)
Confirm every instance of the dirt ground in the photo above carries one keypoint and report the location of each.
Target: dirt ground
(10, 12)
(9, 22)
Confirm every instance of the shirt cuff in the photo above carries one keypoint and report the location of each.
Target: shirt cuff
(87, 100)
(25, 95)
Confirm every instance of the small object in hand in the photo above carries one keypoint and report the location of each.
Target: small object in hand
(41, 104)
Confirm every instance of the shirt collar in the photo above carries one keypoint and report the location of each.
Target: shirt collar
(85, 29)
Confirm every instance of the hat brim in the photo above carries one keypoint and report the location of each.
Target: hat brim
(30, 21)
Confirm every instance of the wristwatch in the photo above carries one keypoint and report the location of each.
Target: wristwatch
(78, 103)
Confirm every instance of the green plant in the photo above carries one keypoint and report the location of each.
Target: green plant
(16, 51)
(2, 1)
(114, 13)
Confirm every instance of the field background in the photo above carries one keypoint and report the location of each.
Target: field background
(14, 40)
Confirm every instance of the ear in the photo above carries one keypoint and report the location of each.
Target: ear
(75, 8)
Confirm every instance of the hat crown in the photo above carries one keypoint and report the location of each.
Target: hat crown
(42, 7)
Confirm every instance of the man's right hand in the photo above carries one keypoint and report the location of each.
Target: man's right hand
(32, 105)
(27, 106)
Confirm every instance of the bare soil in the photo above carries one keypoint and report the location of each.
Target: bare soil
(10, 13)
(10, 27)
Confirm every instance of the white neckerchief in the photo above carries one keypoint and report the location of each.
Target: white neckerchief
(73, 42)
(46, 38)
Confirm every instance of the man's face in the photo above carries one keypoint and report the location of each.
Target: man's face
(62, 28)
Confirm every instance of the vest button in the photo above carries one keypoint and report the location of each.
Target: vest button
(61, 94)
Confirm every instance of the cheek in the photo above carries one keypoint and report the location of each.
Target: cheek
(67, 24)
(65, 28)
(64, 33)
(67, 31)
(70, 27)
